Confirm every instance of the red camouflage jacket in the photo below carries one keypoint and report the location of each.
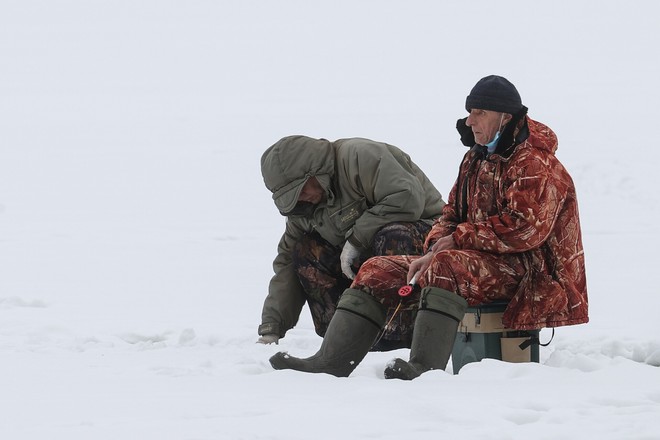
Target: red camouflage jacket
(523, 201)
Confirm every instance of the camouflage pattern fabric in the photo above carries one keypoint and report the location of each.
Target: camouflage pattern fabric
(318, 268)
(367, 185)
(317, 265)
(514, 219)
(477, 277)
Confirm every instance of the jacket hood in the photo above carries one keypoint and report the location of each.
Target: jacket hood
(541, 136)
(287, 165)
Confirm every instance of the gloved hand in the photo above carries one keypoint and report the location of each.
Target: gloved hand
(268, 339)
(348, 255)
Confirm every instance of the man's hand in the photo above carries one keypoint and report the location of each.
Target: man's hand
(268, 339)
(348, 255)
(443, 244)
(420, 265)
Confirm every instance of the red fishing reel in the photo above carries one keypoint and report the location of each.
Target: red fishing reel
(409, 288)
(406, 290)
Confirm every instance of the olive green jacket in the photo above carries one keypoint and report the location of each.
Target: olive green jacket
(368, 185)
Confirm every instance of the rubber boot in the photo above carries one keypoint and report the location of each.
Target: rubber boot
(351, 332)
(436, 324)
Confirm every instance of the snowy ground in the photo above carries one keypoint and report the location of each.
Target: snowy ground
(136, 236)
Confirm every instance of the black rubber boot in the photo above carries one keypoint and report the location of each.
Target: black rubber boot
(436, 325)
(352, 331)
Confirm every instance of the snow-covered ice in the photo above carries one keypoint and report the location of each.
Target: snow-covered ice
(136, 236)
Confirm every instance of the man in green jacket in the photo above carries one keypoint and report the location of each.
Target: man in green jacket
(345, 201)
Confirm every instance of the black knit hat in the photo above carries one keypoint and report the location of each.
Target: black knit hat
(494, 93)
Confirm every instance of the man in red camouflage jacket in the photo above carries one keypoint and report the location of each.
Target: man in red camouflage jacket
(509, 232)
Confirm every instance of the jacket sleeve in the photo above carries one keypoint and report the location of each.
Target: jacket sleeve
(286, 296)
(531, 197)
(446, 223)
(391, 189)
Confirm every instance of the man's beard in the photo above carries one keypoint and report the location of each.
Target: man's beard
(302, 209)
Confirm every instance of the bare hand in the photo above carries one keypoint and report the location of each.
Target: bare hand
(443, 244)
(419, 266)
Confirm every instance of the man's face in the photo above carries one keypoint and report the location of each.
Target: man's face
(485, 123)
(312, 192)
